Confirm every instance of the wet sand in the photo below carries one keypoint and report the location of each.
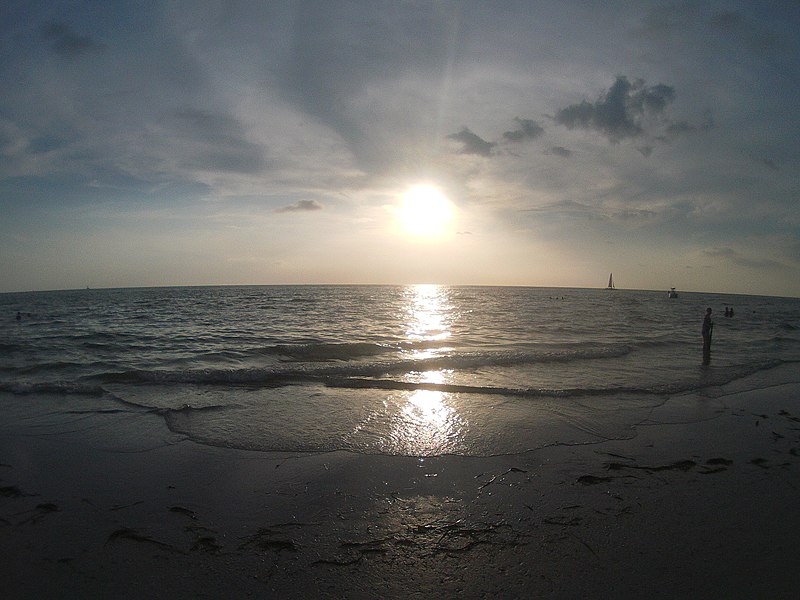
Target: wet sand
(702, 502)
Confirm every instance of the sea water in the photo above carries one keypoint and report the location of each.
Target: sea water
(410, 370)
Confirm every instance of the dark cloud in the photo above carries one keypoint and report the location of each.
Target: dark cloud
(620, 112)
(680, 127)
(708, 121)
(676, 128)
(645, 151)
(560, 151)
(472, 144)
(301, 206)
(46, 143)
(527, 130)
(672, 17)
(67, 43)
(771, 164)
(215, 142)
(8, 136)
(726, 20)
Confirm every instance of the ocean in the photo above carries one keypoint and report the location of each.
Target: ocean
(399, 370)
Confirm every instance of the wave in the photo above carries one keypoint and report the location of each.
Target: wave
(389, 384)
(175, 385)
(350, 378)
(349, 357)
(328, 351)
(184, 409)
(305, 370)
(25, 388)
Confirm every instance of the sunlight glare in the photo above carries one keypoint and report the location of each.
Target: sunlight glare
(425, 211)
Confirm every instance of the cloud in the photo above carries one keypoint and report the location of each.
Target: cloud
(46, 143)
(472, 144)
(528, 130)
(708, 121)
(743, 261)
(664, 20)
(11, 139)
(342, 61)
(570, 209)
(560, 151)
(616, 214)
(621, 112)
(301, 206)
(746, 33)
(726, 20)
(679, 127)
(215, 142)
(67, 43)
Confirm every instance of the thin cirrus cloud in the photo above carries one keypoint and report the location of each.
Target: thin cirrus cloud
(300, 206)
(212, 141)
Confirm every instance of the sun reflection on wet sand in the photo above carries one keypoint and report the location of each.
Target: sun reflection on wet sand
(425, 424)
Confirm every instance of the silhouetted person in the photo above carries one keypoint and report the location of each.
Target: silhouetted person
(708, 329)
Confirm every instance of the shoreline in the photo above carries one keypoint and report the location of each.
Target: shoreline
(698, 503)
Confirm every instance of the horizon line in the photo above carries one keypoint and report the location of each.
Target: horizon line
(454, 285)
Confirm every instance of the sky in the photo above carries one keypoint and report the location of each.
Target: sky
(515, 143)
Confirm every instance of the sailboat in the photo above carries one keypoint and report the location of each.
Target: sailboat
(610, 282)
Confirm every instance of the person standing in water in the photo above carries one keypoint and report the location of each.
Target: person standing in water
(708, 328)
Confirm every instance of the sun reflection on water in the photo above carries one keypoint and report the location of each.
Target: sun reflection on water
(420, 421)
(427, 422)
(427, 313)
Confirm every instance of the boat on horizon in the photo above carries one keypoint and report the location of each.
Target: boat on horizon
(611, 282)
(672, 293)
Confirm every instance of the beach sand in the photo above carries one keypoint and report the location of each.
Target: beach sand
(701, 502)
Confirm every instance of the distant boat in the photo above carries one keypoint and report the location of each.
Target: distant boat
(610, 282)
(672, 293)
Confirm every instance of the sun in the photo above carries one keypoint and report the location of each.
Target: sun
(425, 211)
